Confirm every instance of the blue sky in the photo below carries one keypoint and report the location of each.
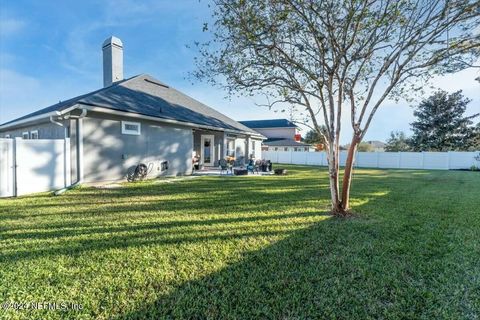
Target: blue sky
(51, 51)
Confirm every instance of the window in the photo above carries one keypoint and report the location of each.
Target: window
(276, 149)
(230, 148)
(34, 134)
(285, 149)
(253, 148)
(131, 128)
(25, 135)
(306, 148)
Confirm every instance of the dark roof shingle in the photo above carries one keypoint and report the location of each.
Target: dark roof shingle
(145, 95)
(269, 123)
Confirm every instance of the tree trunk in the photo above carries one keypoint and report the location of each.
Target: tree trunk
(334, 181)
(347, 177)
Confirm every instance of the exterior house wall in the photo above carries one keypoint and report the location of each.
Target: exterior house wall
(46, 130)
(217, 141)
(109, 154)
(255, 151)
(285, 133)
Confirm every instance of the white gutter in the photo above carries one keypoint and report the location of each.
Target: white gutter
(30, 119)
(80, 146)
(39, 117)
(79, 152)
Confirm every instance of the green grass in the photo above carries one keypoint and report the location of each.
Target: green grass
(246, 248)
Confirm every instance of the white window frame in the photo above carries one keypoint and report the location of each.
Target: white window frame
(25, 133)
(132, 132)
(32, 133)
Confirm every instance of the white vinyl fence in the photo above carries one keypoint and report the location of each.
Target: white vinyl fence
(395, 160)
(28, 166)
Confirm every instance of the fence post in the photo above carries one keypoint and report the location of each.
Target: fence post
(66, 163)
(16, 143)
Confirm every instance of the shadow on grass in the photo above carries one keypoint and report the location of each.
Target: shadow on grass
(389, 266)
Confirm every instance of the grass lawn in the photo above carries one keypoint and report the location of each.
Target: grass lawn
(246, 248)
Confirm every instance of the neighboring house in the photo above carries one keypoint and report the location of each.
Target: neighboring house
(282, 135)
(133, 121)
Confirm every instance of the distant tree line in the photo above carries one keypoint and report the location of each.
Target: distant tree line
(440, 125)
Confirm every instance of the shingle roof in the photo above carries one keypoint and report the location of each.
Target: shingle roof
(145, 95)
(284, 143)
(269, 123)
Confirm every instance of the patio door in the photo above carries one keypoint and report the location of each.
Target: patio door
(207, 150)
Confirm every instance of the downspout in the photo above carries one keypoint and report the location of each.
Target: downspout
(79, 152)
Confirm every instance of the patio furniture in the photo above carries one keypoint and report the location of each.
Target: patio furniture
(196, 162)
(240, 172)
(224, 166)
(251, 166)
(258, 165)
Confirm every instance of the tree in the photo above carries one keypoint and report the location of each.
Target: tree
(398, 141)
(364, 147)
(441, 125)
(334, 57)
(473, 139)
(313, 137)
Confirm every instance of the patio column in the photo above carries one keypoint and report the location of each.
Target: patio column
(224, 146)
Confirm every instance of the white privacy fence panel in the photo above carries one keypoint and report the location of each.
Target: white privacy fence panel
(7, 168)
(392, 160)
(37, 166)
(460, 160)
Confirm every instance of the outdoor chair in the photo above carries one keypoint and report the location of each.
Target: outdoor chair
(254, 166)
(224, 166)
(258, 165)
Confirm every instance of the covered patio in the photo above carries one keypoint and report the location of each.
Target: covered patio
(210, 146)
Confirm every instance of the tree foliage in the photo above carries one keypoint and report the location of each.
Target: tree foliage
(398, 141)
(330, 58)
(441, 125)
(365, 147)
(313, 137)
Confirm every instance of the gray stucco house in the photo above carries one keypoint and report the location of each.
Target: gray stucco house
(136, 120)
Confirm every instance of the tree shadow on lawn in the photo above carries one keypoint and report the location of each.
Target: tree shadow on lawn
(381, 267)
(398, 267)
(330, 270)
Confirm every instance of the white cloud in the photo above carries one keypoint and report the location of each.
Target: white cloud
(10, 26)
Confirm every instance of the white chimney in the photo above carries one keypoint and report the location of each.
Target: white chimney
(112, 61)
